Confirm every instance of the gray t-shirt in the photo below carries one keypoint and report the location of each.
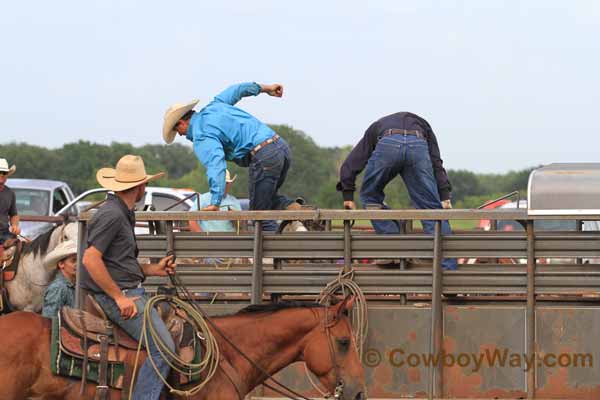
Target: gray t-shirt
(111, 232)
(8, 207)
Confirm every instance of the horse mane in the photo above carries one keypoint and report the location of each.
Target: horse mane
(273, 307)
(39, 244)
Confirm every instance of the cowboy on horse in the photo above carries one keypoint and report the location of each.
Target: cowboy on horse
(9, 216)
(112, 272)
(9, 227)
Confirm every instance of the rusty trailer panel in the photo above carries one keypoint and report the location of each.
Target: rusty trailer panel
(567, 337)
(484, 353)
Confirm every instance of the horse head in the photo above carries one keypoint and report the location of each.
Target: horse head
(68, 231)
(331, 353)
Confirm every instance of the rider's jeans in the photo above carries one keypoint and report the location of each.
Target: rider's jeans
(408, 156)
(148, 385)
(268, 170)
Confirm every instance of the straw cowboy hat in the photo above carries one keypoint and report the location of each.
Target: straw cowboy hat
(62, 251)
(4, 167)
(129, 173)
(228, 178)
(172, 116)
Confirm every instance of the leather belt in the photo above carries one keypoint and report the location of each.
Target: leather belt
(412, 132)
(259, 146)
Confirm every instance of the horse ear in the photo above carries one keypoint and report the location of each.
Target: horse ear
(349, 302)
(346, 305)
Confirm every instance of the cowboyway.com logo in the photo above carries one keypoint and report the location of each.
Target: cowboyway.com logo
(399, 358)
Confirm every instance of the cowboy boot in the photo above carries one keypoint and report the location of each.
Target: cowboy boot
(295, 206)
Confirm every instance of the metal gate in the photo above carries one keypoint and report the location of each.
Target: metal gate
(484, 331)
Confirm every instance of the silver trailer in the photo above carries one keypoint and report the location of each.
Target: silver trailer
(565, 189)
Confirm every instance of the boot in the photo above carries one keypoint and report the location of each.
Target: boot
(295, 206)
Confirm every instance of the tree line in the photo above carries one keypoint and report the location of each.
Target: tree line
(313, 175)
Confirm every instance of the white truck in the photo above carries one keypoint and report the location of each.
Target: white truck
(43, 198)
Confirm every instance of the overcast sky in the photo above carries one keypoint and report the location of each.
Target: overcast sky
(505, 84)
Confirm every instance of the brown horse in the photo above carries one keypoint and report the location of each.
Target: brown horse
(272, 335)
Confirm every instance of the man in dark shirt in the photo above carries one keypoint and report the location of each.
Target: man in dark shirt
(9, 217)
(401, 143)
(112, 272)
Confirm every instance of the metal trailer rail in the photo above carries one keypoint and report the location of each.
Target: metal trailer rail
(446, 312)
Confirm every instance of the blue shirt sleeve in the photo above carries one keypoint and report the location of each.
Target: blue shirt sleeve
(210, 152)
(234, 93)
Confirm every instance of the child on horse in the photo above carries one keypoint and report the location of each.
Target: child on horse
(61, 292)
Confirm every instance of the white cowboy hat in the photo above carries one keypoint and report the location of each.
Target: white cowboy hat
(60, 252)
(228, 178)
(4, 167)
(172, 116)
(129, 173)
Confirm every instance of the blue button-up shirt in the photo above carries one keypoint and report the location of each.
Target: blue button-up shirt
(223, 132)
(61, 292)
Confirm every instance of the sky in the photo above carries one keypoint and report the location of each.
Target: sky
(505, 84)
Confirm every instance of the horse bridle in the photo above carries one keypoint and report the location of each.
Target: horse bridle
(327, 325)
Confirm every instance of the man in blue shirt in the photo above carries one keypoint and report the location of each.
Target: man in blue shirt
(222, 132)
(229, 203)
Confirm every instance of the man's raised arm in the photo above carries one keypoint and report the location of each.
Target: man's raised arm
(234, 93)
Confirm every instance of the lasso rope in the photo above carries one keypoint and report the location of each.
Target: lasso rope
(346, 284)
(359, 318)
(210, 358)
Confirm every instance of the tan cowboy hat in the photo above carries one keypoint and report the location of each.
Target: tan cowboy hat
(129, 173)
(228, 178)
(62, 251)
(4, 167)
(172, 116)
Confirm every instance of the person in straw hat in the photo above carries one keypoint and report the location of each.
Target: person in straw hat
(61, 292)
(222, 132)
(9, 216)
(112, 272)
(229, 203)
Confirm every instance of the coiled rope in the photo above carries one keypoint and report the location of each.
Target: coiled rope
(345, 284)
(210, 358)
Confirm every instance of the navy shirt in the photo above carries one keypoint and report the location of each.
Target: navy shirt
(360, 154)
(8, 207)
(111, 231)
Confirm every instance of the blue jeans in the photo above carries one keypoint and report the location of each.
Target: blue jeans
(5, 235)
(268, 170)
(148, 385)
(407, 155)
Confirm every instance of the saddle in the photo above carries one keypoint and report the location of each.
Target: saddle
(10, 258)
(94, 349)
(10, 253)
